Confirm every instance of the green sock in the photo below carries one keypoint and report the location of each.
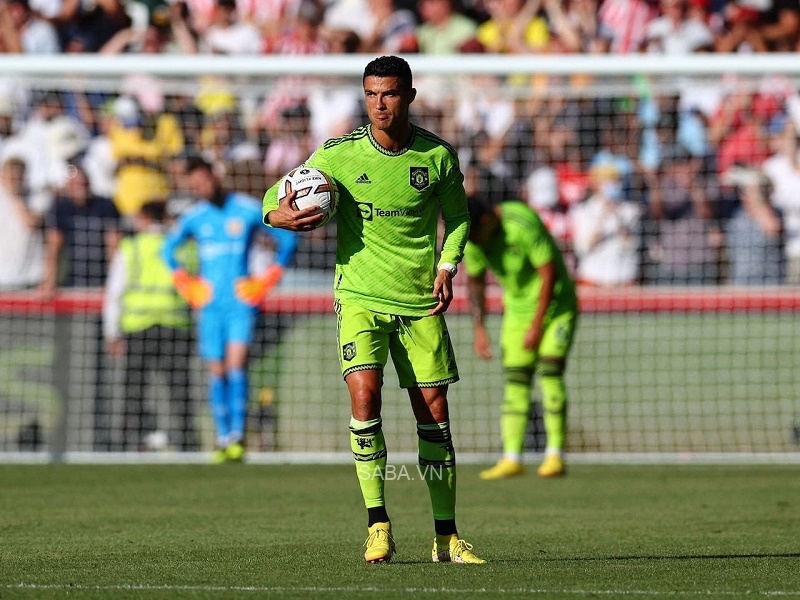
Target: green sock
(515, 411)
(554, 402)
(369, 453)
(437, 461)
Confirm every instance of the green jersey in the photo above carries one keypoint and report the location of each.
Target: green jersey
(522, 245)
(388, 215)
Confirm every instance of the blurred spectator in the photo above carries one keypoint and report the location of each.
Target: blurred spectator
(142, 138)
(23, 32)
(223, 139)
(783, 171)
(685, 245)
(335, 109)
(291, 145)
(573, 26)
(83, 231)
(753, 233)
(737, 130)
(484, 117)
(620, 138)
(87, 26)
(443, 29)
(147, 322)
(622, 24)
(301, 35)
(749, 27)
(676, 31)
(606, 232)
(21, 240)
(393, 30)
(540, 192)
(166, 32)
(46, 141)
(227, 34)
(347, 15)
(99, 161)
(514, 26)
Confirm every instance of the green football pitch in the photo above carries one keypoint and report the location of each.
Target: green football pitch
(253, 531)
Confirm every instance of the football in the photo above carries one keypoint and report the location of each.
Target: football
(314, 188)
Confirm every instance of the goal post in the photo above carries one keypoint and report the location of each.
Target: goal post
(657, 370)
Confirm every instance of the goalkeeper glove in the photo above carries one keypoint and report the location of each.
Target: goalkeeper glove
(195, 290)
(253, 290)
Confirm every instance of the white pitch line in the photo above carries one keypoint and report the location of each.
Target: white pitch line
(409, 590)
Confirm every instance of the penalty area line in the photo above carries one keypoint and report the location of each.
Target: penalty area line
(409, 590)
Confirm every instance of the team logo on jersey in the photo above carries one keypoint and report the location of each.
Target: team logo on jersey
(349, 351)
(234, 227)
(418, 177)
(365, 210)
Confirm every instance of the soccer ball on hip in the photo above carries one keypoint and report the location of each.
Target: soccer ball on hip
(314, 188)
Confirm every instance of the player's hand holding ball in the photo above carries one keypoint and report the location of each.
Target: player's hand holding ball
(307, 199)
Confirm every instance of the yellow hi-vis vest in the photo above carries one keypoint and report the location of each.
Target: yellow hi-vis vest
(150, 297)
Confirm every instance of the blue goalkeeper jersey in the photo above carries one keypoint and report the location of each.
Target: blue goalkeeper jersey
(224, 237)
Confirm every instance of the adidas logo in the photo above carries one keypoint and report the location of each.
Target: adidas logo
(363, 179)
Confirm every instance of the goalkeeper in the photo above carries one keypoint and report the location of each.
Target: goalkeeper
(540, 315)
(225, 226)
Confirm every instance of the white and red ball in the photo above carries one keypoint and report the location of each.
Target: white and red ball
(314, 188)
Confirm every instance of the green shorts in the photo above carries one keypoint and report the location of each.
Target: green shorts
(556, 339)
(420, 346)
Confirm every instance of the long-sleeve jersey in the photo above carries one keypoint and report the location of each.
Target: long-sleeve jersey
(224, 237)
(388, 215)
(522, 245)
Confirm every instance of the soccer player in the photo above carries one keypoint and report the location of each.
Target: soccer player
(390, 294)
(225, 226)
(539, 319)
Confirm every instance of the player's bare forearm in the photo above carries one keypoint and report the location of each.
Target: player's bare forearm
(476, 287)
(533, 337)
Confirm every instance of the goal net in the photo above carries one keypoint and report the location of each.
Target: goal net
(672, 187)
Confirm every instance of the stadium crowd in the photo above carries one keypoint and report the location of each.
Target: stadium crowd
(667, 182)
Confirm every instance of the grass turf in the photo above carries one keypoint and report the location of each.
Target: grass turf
(167, 531)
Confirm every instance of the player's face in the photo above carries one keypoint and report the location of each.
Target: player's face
(202, 183)
(387, 103)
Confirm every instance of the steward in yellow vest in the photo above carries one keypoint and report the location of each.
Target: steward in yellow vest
(147, 322)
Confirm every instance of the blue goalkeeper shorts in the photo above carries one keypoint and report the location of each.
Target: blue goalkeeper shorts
(217, 327)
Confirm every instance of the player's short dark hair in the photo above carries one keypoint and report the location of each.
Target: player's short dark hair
(155, 210)
(478, 208)
(390, 66)
(195, 162)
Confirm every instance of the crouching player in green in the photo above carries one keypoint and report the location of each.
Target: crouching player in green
(540, 315)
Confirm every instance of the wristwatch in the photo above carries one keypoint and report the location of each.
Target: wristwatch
(449, 267)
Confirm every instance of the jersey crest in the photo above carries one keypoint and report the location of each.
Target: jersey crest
(418, 177)
(234, 227)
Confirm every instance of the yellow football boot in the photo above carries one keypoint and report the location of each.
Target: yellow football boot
(448, 548)
(380, 544)
(504, 469)
(219, 456)
(552, 466)
(235, 452)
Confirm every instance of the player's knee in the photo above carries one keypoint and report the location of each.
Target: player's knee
(520, 376)
(550, 367)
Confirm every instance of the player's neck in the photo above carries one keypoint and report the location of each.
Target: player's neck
(393, 140)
